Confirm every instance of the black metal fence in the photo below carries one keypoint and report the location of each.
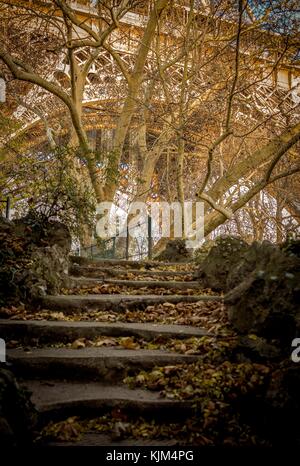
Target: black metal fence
(122, 247)
(7, 206)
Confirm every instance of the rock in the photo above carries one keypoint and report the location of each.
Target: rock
(291, 247)
(175, 251)
(222, 258)
(18, 416)
(6, 433)
(256, 256)
(256, 349)
(48, 272)
(201, 253)
(33, 258)
(41, 232)
(262, 283)
(282, 404)
(266, 302)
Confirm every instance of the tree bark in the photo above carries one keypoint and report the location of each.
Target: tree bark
(134, 86)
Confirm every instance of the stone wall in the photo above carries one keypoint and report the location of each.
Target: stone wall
(261, 283)
(18, 416)
(33, 258)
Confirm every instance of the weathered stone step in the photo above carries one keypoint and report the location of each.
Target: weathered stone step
(122, 262)
(138, 283)
(155, 284)
(97, 272)
(118, 302)
(106, 365)
(97, 439)
(52, 331)
(59, 399)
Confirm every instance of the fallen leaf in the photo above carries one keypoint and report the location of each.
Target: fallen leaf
(128, 343)
(77, 344)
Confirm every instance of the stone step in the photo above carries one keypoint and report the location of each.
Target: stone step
(124, 263)
(52, 331)
(98, 271)
(155, 284)
(56, 400)
(78, 282)
(106, 365)
(70, 304)
(97, 439)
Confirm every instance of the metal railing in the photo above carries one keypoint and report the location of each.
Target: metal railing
(121, 247)
(7, 206)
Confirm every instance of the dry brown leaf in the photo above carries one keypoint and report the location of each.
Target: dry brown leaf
(129, 343)
(77, 344)
(106, 342)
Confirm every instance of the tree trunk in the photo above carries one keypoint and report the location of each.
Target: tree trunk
(180, 183)
(275, 147)
(134, 86)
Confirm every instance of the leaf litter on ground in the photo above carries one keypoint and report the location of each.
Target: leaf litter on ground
(107, 288)
(211, 316)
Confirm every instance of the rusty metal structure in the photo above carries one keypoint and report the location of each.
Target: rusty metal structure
(100, 101)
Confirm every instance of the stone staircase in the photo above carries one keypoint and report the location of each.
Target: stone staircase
(88, 381)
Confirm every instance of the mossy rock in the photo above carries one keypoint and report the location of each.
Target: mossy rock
(222, 258)
(201, 253)
(175, 251)
(266, 302)
(33, 258)
(18, 416)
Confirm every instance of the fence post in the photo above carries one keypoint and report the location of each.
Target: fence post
(7, 211)
(127, 243)
(149, 237)
(114, 247)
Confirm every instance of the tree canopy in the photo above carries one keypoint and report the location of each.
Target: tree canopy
(163, 100)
